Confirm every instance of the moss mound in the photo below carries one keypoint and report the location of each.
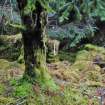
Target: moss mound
(89, 74)
(10, 46)
(91, 47)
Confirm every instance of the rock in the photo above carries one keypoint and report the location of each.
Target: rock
(10, 46)
(99, 61)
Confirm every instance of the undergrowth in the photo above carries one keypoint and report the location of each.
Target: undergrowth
(83, 76)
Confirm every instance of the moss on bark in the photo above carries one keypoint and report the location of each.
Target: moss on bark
(34, 45)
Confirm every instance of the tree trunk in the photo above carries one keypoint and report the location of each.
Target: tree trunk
(34, 43)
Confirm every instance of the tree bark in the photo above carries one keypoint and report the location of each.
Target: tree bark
(34, 41)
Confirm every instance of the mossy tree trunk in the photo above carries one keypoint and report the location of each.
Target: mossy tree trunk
(34, 42)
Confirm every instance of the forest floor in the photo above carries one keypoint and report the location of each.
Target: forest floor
(80, 76)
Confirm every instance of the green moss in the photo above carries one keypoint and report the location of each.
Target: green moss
(84, 58)
(2, 88)
(4, 64)
(51, 58)
(83, 55)
(6, 100)
(10, 46)
(82, 71)
(21, 56)
(88, 53)
(23, 89)
(70, 96)
(63, 55)
(6, 68)
(39, 73)
(45, 80)
(21, 59)
(80, 65)
(91, 47)
(7, 39)
(74, 96)
(87, 71)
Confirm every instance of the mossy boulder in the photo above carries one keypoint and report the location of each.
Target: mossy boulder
(10, 46)
(83, 55)
(95, 48)
(10, 39)
(84, 66)
(89, 52)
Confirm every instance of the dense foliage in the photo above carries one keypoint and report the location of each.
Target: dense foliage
(66, 9)
(73, 33)
(83, 14)
(70, 76)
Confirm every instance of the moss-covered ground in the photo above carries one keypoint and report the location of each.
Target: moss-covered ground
(76, 74)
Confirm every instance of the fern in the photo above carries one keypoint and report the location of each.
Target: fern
(74, 32)
(99, 11)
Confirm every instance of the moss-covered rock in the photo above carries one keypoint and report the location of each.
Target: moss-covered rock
(89, 73)
(9, 39)
(10, 46)
(85, 66)
(95, 48)
(83, 55)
